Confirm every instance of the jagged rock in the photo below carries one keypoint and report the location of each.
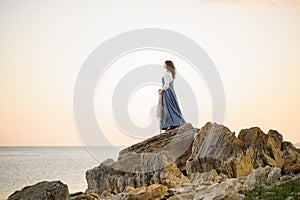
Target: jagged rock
(225, 190)
(91, 196)
(104, 177)
(172, 177)
(176, 145)
(184, 196)
(264, 149)
(203, 177)
(129, 188)
(46, 190)
(192, 159)
(274, 175)
(291, 158)
(216, 147)
(152, 192)
(257, 176)
(151, 161)
(292, 164)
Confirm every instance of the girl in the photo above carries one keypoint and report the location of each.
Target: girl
(170, 113)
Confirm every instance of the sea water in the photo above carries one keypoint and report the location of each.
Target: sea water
(27, 165)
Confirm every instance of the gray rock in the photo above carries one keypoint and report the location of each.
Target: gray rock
(45, 190)
(228, 189)
(154, 160)
(257, 176)
(210, 157)
(203, 177)
(175, 144)
(274, 175)
(216, 147)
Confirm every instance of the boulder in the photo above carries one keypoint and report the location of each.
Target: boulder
(226, 190)
(216, 147)
(292, 164)
(184, 196)
(153, 161)
(203, 177)
(256, 177)
(105, 177)
(152, 192)
(274, 175)
(264, 149)
(291, 156)
(185, 157)
(175, 145)
(46, 190)
(91, 196)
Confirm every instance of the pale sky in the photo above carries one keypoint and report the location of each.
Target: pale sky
(254, 45)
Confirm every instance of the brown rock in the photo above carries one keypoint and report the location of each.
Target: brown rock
(91, 196)
(166, 159)
(292, 164)
(152, 192)
(151, 161)
(104, 177)
(264, 149)
(176, 145)
(203, 177)
(216, 147)
(172, 177)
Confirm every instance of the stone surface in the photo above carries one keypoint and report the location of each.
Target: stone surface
(216, 147)
(203, 177)
(274, 175)
(185, 163)
(154, 160)
(264, 149)
(176, 145)
(189, 160)
(152, 192)
(256, 177)
(184, 196)
(291, 157)
(292, 164)
(225, 190)
(91, 196)
(104, 178)
(46, 190)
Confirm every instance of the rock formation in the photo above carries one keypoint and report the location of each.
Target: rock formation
(160, 159)
(46, 190)
(188, 163)
(188, 157)
(216, 147)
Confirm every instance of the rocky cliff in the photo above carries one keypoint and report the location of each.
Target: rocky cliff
(190, 163)
(188, 156)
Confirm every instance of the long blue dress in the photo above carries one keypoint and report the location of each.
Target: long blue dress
(171, 113)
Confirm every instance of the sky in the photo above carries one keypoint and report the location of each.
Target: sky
(254, 45)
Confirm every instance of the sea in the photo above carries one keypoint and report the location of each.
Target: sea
(27, 165)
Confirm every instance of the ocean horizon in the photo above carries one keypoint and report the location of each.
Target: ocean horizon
(27, 165)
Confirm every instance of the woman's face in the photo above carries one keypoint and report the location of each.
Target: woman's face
(165, 65)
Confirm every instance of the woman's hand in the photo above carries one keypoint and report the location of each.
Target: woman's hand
(160, 91)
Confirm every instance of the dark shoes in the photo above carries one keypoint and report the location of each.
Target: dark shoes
(170, 128)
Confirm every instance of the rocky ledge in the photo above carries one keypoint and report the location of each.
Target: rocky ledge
(191, 163)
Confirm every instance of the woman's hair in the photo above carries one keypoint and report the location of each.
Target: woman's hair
(171, 68)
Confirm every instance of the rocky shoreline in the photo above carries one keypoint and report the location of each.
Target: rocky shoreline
(190, 163)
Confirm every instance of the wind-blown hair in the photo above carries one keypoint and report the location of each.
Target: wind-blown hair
(171, 68)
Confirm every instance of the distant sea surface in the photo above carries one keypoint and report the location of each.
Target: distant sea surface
(23, 166)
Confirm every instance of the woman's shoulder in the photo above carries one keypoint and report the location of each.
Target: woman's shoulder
(168, 73)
